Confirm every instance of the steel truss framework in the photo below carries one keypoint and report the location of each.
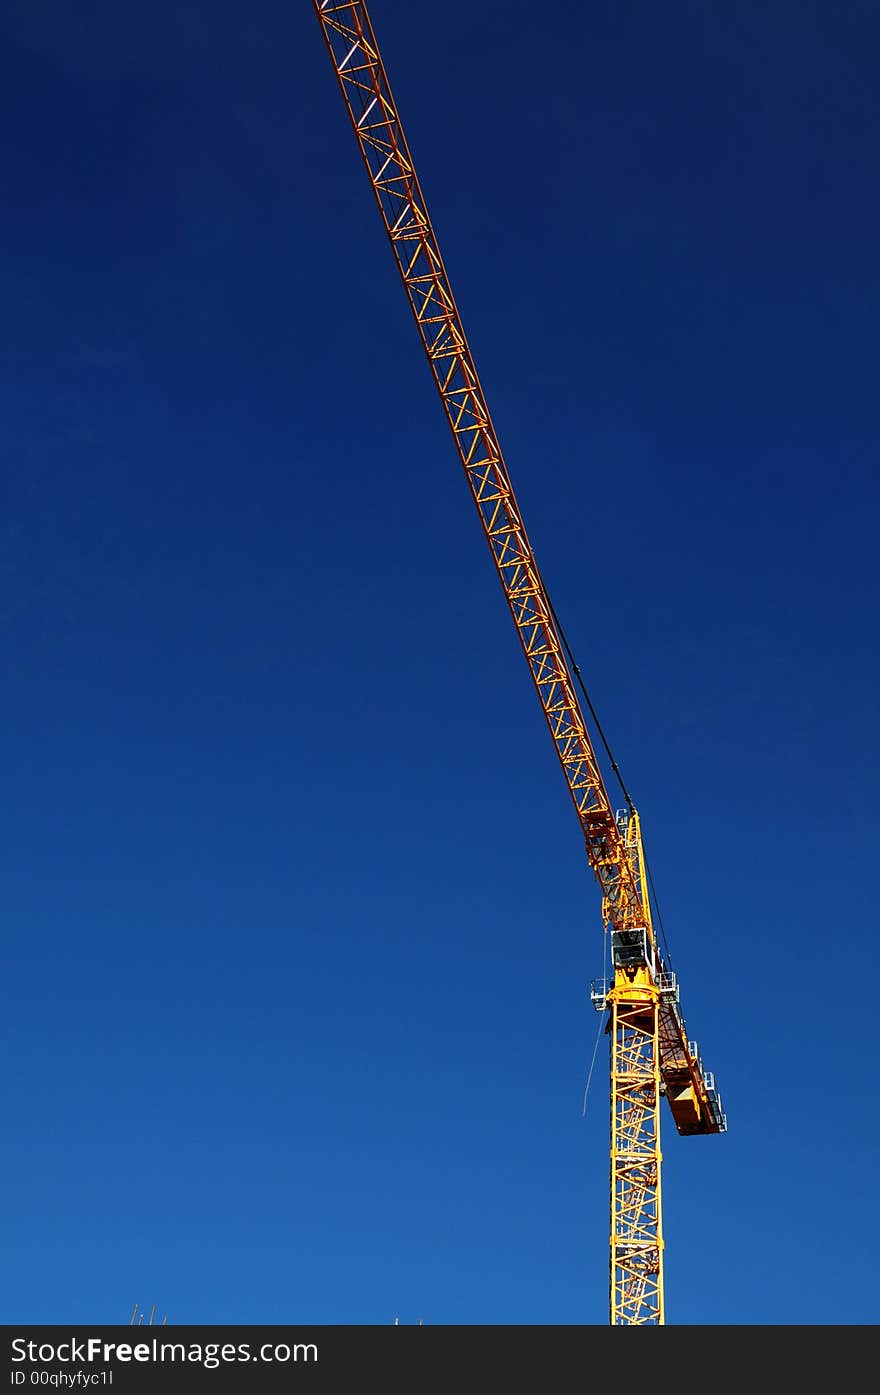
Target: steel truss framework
(636, 1223)
(614, 856)
(383, 145)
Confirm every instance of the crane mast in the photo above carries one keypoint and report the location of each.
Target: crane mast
(650, 1052)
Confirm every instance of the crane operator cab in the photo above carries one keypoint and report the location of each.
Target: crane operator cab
(631, 949)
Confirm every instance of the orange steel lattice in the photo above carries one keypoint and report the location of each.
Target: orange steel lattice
(401, 203)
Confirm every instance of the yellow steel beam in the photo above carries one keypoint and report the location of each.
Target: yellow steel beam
(636, 1266)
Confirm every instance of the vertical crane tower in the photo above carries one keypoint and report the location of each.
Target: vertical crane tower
(651, 1054)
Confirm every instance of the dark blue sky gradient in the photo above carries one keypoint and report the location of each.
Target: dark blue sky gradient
(298, 926)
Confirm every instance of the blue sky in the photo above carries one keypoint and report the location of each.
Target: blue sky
(298, 929)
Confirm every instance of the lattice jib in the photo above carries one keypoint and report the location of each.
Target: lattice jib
(364, 85)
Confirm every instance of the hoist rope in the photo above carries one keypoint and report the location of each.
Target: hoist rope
(575, 667)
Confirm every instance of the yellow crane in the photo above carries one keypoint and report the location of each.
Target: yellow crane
(651, 1054)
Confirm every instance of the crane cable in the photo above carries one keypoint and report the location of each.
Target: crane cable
(614, 766)
(583, 687)
(592, 1064)
(600, 1027)
(656, 906)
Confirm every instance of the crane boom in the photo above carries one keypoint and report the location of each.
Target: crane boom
(650, 1052)
(364, 84)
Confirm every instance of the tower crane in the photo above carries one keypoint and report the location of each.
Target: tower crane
(651, 1054)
